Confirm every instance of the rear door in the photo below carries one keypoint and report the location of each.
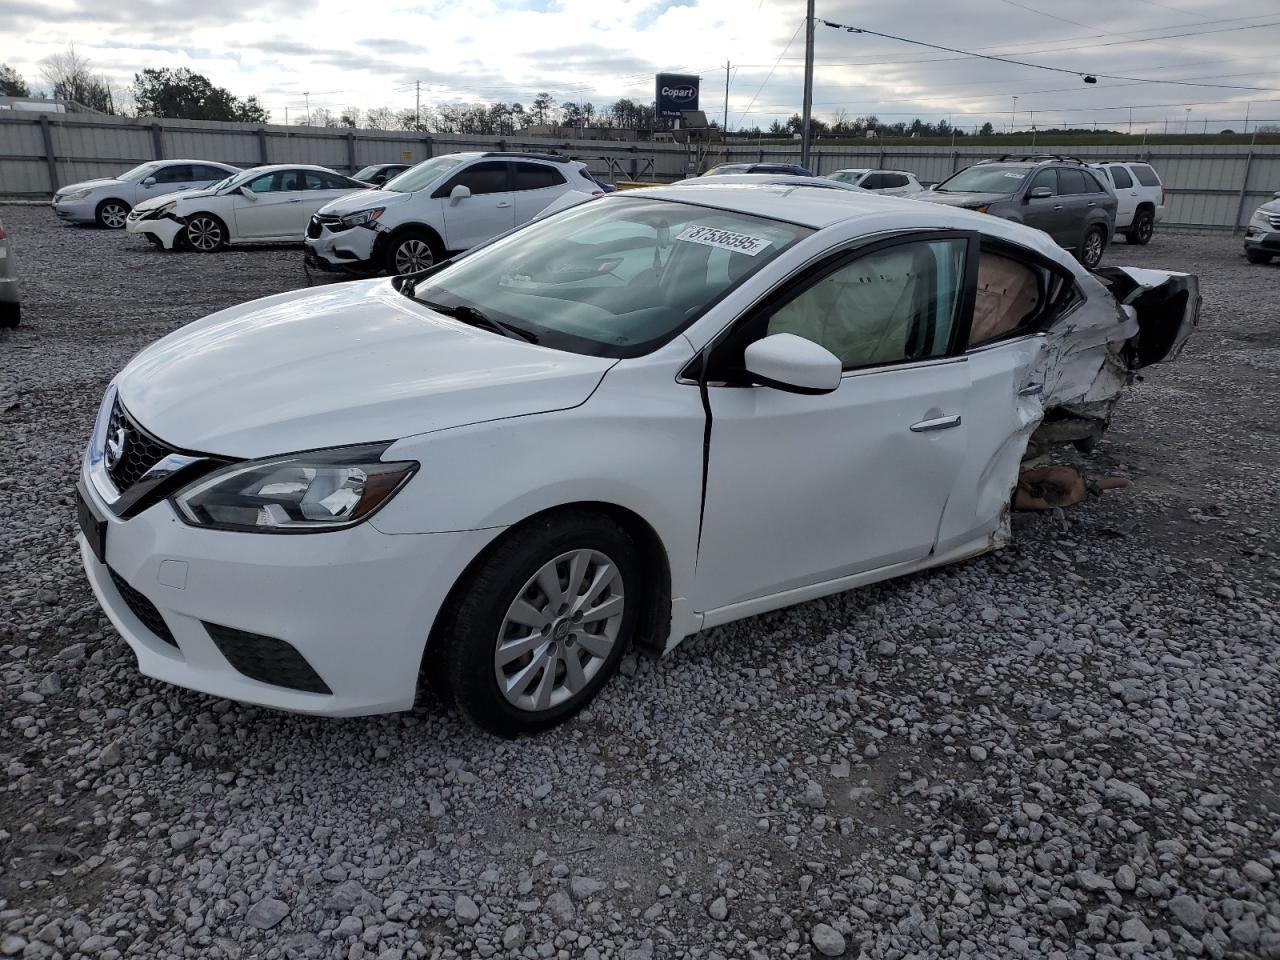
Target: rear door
(206, 176)
(489, 211)
(535, 185)
(1126, 193)
(1084, 202)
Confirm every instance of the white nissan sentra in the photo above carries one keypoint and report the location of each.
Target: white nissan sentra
(622, 424)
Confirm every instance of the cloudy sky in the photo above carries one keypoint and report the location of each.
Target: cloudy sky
(344, 54)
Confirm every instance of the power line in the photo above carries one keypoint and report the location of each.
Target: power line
(799, 26)
(1040, 66)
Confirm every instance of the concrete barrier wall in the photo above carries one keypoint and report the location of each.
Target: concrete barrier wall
(1209, 187)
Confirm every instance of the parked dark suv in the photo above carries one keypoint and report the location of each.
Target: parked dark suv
(1059, 195)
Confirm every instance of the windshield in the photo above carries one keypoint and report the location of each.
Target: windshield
(616, 277)
(139, 172)
(366, 172)
(424, 174)
(849, 176)
(728, 168)
(986, 178)
(240, 176)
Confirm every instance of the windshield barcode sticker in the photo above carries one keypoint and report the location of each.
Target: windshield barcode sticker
(724, 239)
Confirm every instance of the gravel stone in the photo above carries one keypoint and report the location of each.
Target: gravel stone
(267, 913)
(827, 940)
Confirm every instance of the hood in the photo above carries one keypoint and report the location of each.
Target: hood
(87, 185)
(344, 364)
(363, 200)
(960, 199)
(152, 202)
(1271, 207)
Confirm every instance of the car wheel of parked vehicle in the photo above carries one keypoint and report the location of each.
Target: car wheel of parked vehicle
(1095, 242)
(10, 315)
(1257, 256)
(112, 214)
(410, 252)
(205, 233)
(1143, 226)
(540, 625)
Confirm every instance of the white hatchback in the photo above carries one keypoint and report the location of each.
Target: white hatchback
(630, 421)
(269, 204)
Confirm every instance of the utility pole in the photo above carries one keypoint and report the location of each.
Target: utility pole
(1186, 124)
(1131, 121)
(725, 130)
(1013, 117)
(808, 86)
(307, 94)
(1246, 116)
(417, 104)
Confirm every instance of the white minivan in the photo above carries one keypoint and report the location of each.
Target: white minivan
(442, 206)
(1139, 195)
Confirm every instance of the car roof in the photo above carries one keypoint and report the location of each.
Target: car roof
(211, 163)
(271, 167)
(802, 204)
(781, 179)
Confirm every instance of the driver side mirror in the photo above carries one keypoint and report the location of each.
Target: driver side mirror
(247, 193)
(149, 182)
(460, 192)
(1039, 193)
(793, 364)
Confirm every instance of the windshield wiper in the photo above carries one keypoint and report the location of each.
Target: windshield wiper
(475, 318)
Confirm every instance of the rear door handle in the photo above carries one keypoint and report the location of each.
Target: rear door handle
(1093, 203)
(938, 423)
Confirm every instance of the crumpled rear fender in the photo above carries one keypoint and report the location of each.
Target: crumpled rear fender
(1166, 305)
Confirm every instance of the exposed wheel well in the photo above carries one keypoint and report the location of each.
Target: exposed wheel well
(226, 232)
(655, 617)
(432, 235)
(105, 200)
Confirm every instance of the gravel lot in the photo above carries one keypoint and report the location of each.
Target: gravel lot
(1066, 749)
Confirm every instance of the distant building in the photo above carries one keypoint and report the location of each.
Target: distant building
(561, 132)
(42, 105)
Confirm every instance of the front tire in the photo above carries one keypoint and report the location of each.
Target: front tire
(1257, 256)
(204, 233)
(112, 214)
(539, 627)
(1092, 247)
(410, 252)
(10, 315)
(1144, 225)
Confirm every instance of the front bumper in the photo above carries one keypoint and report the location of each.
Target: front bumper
(356, 604)
(1262, 239)
(75, 211)
(164, 229)
(341, 250)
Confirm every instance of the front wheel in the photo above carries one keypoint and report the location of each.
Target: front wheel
(112, 214)
(540, 626)
(1257, 256)
(1143, 226)
(205, 233)
(1091, 248)
(410, 252)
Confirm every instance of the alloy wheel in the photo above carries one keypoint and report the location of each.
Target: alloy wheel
(413, 255)
(114, 216)
(1092, 248)
(204, 234)
(1146, 226)
(559, 631)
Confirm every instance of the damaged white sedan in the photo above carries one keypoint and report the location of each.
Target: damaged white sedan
(633, 420)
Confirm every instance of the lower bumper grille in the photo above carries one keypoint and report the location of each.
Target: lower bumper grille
(266, 659)
(143, 609)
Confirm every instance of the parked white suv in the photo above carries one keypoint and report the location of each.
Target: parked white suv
(107, 202)
(1139, 196)
(441, 206)
(893, 182)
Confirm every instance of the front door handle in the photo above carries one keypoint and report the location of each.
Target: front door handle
(1057, 206)
(503, 206)
(294, 200)
(938, 423)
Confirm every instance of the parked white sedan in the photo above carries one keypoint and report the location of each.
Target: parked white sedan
(630, 421)
(107, 201)
(270, 204)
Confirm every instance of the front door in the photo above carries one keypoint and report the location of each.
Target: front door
(1049, 213)
(489, 211)
(803, 490)
(277, 200)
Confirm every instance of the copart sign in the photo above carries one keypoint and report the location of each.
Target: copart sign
(676, 92)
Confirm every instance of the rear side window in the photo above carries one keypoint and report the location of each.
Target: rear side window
(1121, 177)
(1072, 181)
(480, 178)
(873, 181)
(199, 172)
(536, 176)
(175, 173)
(894, 180)
(1146, 175)
(327, 181)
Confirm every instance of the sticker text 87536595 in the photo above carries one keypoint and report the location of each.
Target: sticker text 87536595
(724, 239)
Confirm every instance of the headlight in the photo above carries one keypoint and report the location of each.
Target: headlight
(78, 195)
(161, 211)
(1260, 216)
(302, 493)
(363, 218)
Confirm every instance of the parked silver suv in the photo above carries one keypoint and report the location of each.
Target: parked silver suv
(1060, 195)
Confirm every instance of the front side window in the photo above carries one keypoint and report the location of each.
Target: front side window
(849, 176)
(274, 182)
(1045, 178)
(489, 176)
(138, 173)
(174, 173)
(1120, 176)
(873, 181)
(895, 304)
(895, 180)
(617, 277)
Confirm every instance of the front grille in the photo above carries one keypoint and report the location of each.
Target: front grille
(1274, 220)
(313, 228)
(321, 222)
(143, 609)
(138, 450)
(266, 659)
